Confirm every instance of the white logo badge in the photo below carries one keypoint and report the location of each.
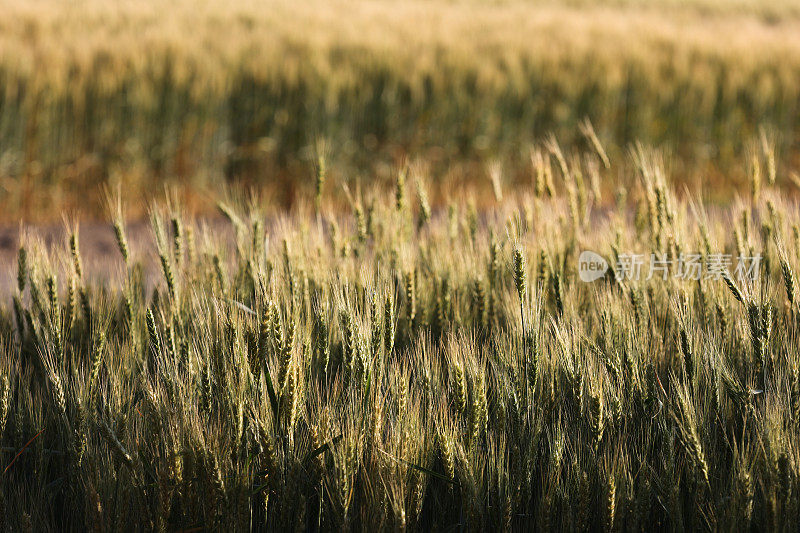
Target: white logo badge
(591, 266)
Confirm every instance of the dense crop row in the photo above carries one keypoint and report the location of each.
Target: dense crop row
(394, 366)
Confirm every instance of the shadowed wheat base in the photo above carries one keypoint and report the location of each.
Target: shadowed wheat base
(393, 366)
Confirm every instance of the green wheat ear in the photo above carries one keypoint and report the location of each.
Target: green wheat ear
(688, 358)
(177, 239)
(558, 291)
(76, 255)
(788, 279)
(122, 241)
(400, 190)
(519, 273)
(22, 268)
(737, 294)
(424, 206)
(322, 174)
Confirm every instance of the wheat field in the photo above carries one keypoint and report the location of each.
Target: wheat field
(392, 366)
(446, 265)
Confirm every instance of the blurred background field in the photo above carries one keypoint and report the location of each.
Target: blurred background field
(199, 95)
